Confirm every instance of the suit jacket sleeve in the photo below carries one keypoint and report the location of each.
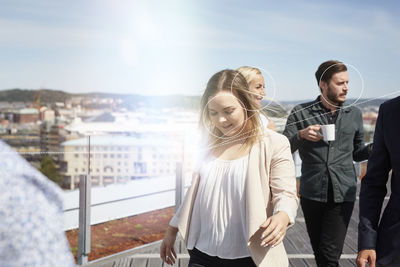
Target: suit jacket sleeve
(373, 187)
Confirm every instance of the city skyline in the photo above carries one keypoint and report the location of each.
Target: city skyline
(157, 48)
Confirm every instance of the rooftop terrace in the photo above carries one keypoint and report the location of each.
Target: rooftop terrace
(296, 243)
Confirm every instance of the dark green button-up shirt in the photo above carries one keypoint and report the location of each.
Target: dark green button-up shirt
(323, 161)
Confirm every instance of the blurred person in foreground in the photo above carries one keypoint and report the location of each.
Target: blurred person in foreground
(243, 196)
(31, 212)
(328, 181)
(379, 241)
(255, 81)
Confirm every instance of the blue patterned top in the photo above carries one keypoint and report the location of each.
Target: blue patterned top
(30, 216)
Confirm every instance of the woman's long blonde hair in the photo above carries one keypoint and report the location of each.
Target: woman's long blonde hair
(234, 82)
(249, 73)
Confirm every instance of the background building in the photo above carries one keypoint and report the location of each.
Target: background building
(26, 115)
(52, 135)
(117, 159)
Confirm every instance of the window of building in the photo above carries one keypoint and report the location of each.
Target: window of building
(108, 168)
(108, 179)
(140, 167)
(95, 180)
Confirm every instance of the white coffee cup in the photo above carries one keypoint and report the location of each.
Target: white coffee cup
(328, 132)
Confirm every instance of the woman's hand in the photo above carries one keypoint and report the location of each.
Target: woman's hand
(274, 229)
(167, 251)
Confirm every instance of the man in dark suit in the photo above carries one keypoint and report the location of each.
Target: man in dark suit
(379, 241)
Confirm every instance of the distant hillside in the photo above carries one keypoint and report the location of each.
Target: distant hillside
(134, 101)
(48, 96)
(23, 95)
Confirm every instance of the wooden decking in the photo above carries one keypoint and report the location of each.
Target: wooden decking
(296, 243)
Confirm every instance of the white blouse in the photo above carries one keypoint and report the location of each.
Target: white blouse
(217, 226)
(264, 120)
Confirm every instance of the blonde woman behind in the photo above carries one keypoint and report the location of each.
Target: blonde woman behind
(256, 83)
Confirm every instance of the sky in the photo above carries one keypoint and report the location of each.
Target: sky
(174, 47)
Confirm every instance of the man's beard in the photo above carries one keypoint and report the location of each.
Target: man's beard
(333, 98)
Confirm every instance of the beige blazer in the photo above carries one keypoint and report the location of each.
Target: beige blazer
(270, 187)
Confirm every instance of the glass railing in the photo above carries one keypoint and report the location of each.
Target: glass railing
(123, 176)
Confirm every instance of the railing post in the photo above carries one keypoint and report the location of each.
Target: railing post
(357, 168)
(84, 214)
(297, 163)
(179, 184)
(84, 219)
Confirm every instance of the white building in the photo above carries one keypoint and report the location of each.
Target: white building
(47, 114)
(116, 159)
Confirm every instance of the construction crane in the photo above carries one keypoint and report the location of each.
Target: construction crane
(36, 100)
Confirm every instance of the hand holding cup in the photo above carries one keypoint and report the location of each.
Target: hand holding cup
(311, 133)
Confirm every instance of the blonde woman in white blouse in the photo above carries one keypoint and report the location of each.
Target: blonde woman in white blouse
(243, 196)
(256, 83)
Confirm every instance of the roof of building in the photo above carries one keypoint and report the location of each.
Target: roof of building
(120, 141)
(28, 111)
